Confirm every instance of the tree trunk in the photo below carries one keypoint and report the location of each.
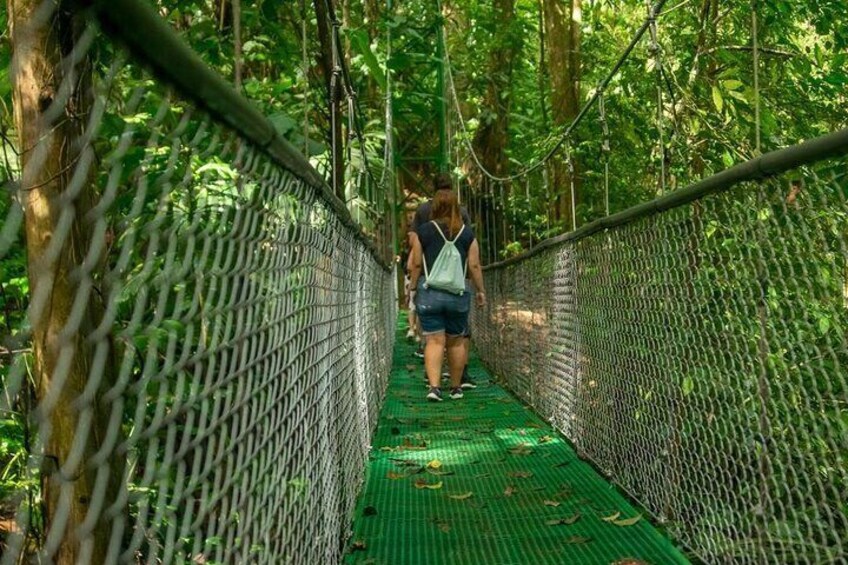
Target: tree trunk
(331, 70)
(491, 138)
(562, 29)
(52, 155)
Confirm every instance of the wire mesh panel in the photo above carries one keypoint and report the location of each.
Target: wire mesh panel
(210, 338)
(698, 357)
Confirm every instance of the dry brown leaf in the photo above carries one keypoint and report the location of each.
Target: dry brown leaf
(439, 473)
(407, 444)
(463, 496)
(550, 503)
(578, 539)
(628, 521)
(358, 545)
(611, 517)
(521, 449)
(404, 462)
(510, 490)
(434, 464)
(545, 439)
(422, 484)
(521, 474)
(564, 521)
(395, 476)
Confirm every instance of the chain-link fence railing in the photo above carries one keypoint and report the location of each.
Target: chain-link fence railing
(209, 334)
(697, 355)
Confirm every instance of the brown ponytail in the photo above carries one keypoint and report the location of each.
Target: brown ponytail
(446, 210)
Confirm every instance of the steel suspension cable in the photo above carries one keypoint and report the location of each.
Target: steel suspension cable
(756, 61)
(347, 84)
(655, 49)
(605, 150)
(305, 70)
(653, 12)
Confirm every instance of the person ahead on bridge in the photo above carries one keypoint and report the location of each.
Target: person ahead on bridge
(446, 249)
(442, 182)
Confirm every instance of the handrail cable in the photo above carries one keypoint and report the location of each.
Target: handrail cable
(138, 26)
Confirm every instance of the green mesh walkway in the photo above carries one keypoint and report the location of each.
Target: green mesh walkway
(510, 475)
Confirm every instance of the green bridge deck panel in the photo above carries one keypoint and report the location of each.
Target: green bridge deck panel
(490, 443)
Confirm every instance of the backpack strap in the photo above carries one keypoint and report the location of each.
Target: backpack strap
(438, 229)
(446, 240)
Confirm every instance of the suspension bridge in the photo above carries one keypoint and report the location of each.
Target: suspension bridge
(217, 373)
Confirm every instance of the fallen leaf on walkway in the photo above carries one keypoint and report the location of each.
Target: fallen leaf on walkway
(358, 545)
(521, 449)
(578, 539)
(545, 439)
(564, 491)
(395, 476)
(628, 521)
(510, 490)
(442, 525)
(404, 462)
(563, 464)
(550, 503)
(434, 464)
(421, 484)
(483, 476)
(407, 444)
(521, 474)
(611, 517)
(439, 473)
(462, 496)
(564, 521)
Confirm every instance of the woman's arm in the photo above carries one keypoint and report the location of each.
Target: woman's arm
(415, 264)
(476, 272)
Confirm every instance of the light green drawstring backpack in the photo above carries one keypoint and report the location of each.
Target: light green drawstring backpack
(448, 272)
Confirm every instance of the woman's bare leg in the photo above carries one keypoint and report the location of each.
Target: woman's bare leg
(433, 353)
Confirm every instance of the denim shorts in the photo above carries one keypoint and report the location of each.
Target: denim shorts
(440, 311)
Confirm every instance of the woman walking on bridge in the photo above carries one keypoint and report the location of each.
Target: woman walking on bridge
(446, 249)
